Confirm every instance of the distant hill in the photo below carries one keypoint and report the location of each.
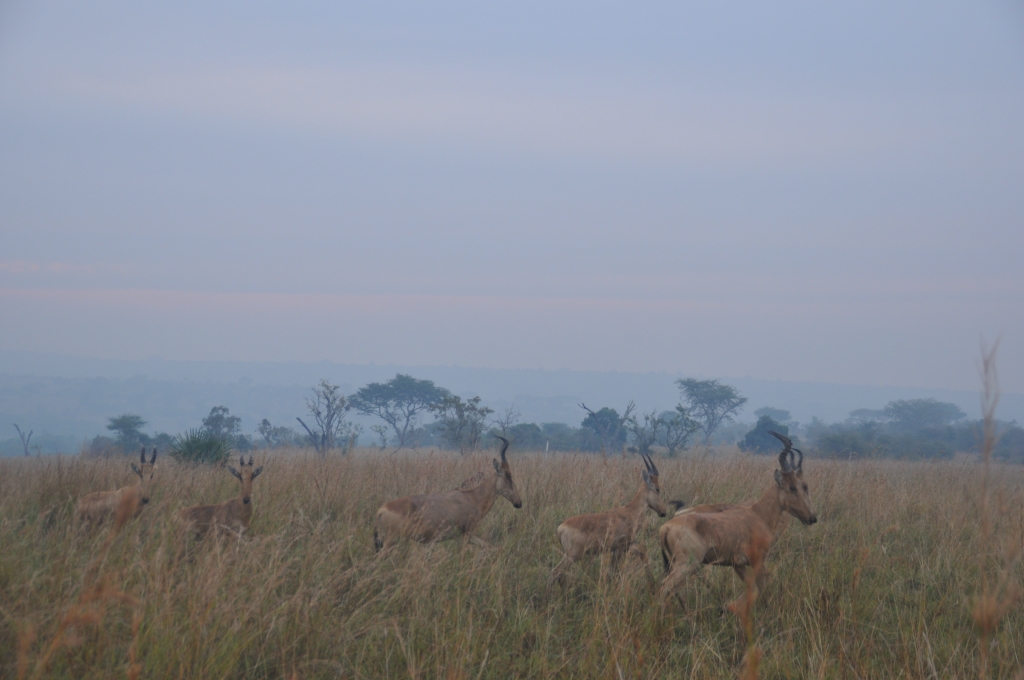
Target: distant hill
(69, 399)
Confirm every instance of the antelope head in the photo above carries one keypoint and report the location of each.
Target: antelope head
(246, 476)
(505, 486)
(145, 472)
(793, 495)
(650, 477)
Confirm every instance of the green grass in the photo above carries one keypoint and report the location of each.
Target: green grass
(881, 587)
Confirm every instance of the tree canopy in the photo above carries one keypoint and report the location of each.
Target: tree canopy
(127, 430)
(399, 402)
(918, 414)
(710, 403)
(607, 424)
(760, 440)
(461, 423)
(330, 429)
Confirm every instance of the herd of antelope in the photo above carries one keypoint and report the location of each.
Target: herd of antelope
(721, 534)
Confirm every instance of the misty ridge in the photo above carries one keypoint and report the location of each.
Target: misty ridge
(250, 404)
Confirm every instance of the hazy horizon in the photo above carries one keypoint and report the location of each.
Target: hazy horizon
(74, 397)
(796, 192)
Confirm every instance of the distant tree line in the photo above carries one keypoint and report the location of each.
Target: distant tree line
(415, 413)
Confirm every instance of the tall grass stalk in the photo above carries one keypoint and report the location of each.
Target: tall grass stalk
(303, 595)
(998, 593)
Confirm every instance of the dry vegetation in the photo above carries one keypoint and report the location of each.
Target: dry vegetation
(887, 584)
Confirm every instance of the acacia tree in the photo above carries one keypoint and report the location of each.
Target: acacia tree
(275, 437)
(676, 429)
(645, 434)
(608, 425)
(461, 422)
(222, 425)
(328, 408)
(399, 402)
(710, 403)
(507, 420)
(126, 428)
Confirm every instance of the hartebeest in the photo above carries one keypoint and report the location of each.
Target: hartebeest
(94, 508)
(734, 536)
(612, 531)
(231, 516)
(440, 516)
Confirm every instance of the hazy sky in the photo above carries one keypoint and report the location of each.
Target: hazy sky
(813, 191)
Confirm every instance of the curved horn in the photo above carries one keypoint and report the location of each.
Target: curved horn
(651, 467)
(153, 459)
(504, 448)
(800, 463)
(142, 457)
(250, 460)
(783, 463)
(241, 460)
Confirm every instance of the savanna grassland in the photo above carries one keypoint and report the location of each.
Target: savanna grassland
(885, 585)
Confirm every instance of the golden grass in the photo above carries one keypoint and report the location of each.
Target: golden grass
(886, 585)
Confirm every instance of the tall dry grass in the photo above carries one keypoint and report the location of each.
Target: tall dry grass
(883, 586)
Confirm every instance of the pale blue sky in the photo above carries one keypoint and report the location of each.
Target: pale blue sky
(830, 192)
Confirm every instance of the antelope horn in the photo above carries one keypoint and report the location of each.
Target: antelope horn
(504, 448)
(142, 457)
(250, 460)
(651, 467)
(800, 464)
(241, 460)
(153, 459)
(783, 463)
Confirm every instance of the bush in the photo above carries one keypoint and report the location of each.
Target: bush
(760, 439)
(200, 446)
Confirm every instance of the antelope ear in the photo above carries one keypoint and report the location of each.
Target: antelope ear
(497, 465)
(234, 472)
(778, 477)
(257, 471)
(136, 470)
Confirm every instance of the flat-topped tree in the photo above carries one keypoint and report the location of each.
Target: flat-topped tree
(710, 403)
(399, 402)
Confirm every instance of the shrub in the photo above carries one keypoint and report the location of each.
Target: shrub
(760, 440)
(200, 446)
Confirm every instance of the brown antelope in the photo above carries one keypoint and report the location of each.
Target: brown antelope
(438, 517)
(733, 536)
(231, 516)
(612, 531)
(94, 508)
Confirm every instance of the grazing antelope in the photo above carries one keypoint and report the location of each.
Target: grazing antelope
(731, 536)
(614, 530)
(440, 516)
(94, 508)
(231, 516)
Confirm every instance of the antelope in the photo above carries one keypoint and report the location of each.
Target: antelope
(612, 531)
(94, 508)
(438, 517)
(231, 516)
(733, 536)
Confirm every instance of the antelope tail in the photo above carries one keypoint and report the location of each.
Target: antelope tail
(377, 543)
(676, 506)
